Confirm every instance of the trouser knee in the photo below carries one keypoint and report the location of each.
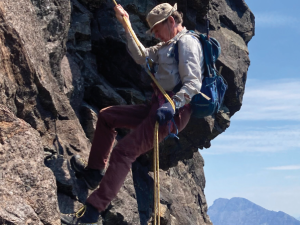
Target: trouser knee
(118, 156)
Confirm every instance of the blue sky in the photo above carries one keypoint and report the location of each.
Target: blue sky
(258, 156)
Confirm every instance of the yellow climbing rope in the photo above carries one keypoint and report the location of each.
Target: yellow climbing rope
(156, 128)
(156, 206)
(80, 212)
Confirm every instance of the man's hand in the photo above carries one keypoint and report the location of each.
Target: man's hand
(120, 12)
(164, 113)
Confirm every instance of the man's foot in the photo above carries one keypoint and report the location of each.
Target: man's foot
(86, 215)
(91, 177)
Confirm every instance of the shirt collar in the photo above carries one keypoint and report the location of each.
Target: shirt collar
(177, 37)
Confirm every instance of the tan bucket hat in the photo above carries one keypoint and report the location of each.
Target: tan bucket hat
(159, 13)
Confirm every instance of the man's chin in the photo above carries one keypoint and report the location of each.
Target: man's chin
(162, 40)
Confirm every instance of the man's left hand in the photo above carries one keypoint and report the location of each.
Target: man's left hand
(164, 113)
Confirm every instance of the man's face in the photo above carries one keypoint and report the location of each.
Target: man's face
(163, 31)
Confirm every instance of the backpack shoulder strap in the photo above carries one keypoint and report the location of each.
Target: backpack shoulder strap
(211, 51)
(179, 85)
(189, 32)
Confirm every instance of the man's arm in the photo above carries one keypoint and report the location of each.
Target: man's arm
(190, 65)
(131, 43)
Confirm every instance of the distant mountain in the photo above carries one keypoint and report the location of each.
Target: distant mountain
(240, 211)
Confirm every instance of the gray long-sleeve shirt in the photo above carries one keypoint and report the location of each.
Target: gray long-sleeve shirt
(169, 72)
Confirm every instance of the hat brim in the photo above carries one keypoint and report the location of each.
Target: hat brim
(173, 10)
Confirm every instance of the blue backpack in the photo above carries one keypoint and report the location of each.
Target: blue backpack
(214, 85)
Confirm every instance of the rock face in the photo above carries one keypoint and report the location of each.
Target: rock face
(240, 211)
(27, 187)
(61, 61)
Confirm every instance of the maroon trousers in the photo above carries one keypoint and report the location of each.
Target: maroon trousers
(140, 118)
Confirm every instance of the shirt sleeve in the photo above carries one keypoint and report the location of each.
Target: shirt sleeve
(136, 54)
(190, 65)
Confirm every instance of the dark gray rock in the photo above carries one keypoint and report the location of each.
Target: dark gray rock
(235, 61)
(103, 95)
(131, 96)
(236, 16)
(240, 211)
(88, 120)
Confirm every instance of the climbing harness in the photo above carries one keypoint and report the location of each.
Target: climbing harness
(148, 67)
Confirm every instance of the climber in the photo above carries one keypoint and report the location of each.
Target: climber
(181, 81)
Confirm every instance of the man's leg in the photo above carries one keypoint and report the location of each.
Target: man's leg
(108, 119)
(128, 116)
(125, 153)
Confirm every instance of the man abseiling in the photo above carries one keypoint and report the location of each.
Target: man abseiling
(181, 79)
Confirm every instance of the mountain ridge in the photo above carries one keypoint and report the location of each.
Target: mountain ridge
(241, 211)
